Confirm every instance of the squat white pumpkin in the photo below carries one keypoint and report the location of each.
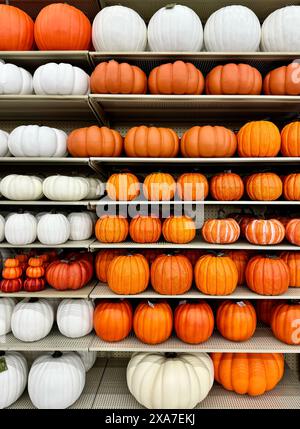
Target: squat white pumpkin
(53, 229)
(20, 187)
(13, 380)
(14, 80)
(65, 188)
(81, 226)
(75, 317)
(4, 144)
(96, 189)
(7, 306)
(20, 229)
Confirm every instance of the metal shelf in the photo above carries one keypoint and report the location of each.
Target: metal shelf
(193, 161)
(53, 293)
(43, 161)
(45, 203)
(83, 244)
(106, 202)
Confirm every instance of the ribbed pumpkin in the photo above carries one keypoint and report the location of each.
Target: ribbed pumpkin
(145, 229)
(153, 322)
(34, 284)
(193, 322)
(240, 258)
(220, 231)
(111, 229)
(113, 320)
(171, 274)
(292, 231)
(122, 187)
(128, 275)
(176, 78)
(12, 269)
(151, 254)
(216, 275)
(227, 187)
(35, 268)
(159, 187)
(179, 229)
(264, 187)
(292, 259)
(233, 79)
(151, 142)
(208, 142)
(264, 232)
(236, 321)
(267, 275)
(259, 139)
(16, 29)
(102, 261)
(285, 323)
(248, 373)
(291, 187)
(61, 27)
(11, 285)
(290, 139)
(283, 80)
(95, 141)
(264, 309)
(118, 78)
(192, 187)
(73, 274)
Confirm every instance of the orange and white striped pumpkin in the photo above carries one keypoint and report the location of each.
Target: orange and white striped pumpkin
(263, 232)
(221, 231)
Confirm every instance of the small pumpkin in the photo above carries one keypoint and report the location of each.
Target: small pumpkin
(16, 29)
(35, 269)
(34, 284)
(283, 80)
(291, 187)
(259, 139)
(159, 187)
(73, 274)
(227, 187)
(179, 229)
(12, 269)
(113, 320)
(264, 187)
(290, 139)
(221, 231)
(285, 323)
(102, 261)
(145, 229)
(111, 229)
(264, 231)
(11, 285)
(122, 187)
(192, 187)
(292, 231)
(240, 258)
(292, 259)
(264, 309)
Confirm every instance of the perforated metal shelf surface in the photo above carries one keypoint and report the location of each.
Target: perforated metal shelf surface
(53, 293)
(83, 244)
(43, 160)
(194, 161)
(44, 203)
(137, 201)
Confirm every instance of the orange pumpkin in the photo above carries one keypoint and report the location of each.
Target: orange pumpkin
(11, 285)
(207, 275)
(176, 78)
(102, 261)
(113, 320)
(264, 309)
(227, 187)
(69, 274)
(267, 275)
(236, 321)
(283, 80)
(95, 141)
(145, 229)
(12, 269)
(221, 231)
(290, 140)
(153, 322)
(291, 187)
(194, 322)
(292, 259)
(128, 274)
(122, 187)
(159, 187)
(179, 229)
(292, 231)
(248, 373)
(265, 232)
(192, 187)
(151, 254)
(171, 274)
(35, 271)
(240, 258)
(61, 27)
(118, 78)
(285, 323)
(264, 187)
(259, 139)
(16, 29)
(111, 229)
(192, 254)
(233, 79)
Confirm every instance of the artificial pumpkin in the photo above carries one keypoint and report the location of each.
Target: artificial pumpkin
(16, 29)
(259, 139)
(267, 275)
(179, 229)
(177, 78)
(291, 187)
(236, 321)
(20, 187)
(151, 254)
(153, 322)
(12, 269)
(81, 226)
(122, 187)
(14, 80)
(34, 284)
(7, 306)
(35, 268)
(208, 276)
(192, 187)
(264, 231)
(193, 322)
(128, 274)
(248, 373)
(240, 258)
(20, 229)
(292, 259)
(11, 285)
(75, 317)
(171, 274)
(290, 140)
(64, 275)
(4, 151)
(221, 231)
(283, 80)
(111, 229)
(226, 187)
(264, 309)
(102, 261)
(159, 187)
(264, 187)
(65, 188)
(233, 79)
(145, 229)
(62, 27)
(285, 323)
(113, 320)
(13, 378)
(53, 229)
(153, 142)
(292, 231)
(192, 254)
(118, 78)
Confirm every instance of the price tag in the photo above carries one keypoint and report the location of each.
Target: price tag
(241, 304)
(3, 366)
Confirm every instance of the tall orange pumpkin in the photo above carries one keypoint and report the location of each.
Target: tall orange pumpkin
(264, 187)
(177, 78)
(102, 261)
(61, 27)
(111, 229)
(290, 139)
(192, 187)
(264, 309)
(292, 259)
(159, 187)
(233, 79)
(259, 139)
(285, 323)
(113, 320)
(292, 231)
(221, 231)
(227, 187)
(291, 187)
(283, 80)
(16, 29)
(145, 229)
(95, 141)
(118, 78)
(179, 229)
(264, 232)
(240, 258)
(122, 187)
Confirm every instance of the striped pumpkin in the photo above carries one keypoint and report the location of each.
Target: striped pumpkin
(264, 232)
(221, 231)
(291, 187)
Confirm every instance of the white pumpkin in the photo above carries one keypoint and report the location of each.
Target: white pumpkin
(81, 225)
(96, 189)
(281, 30)
(175, 28)
(53, 229)
(7, 306)
(60, 79)
(232, 29)
(119, 28)
(36, 141)
(32, 319)
(20, 229)
(65, 188)
(152, 376)
(19, 187)
(56, 381)
(75, 317)
(2, 228)
(14, 80)
(13, 380)
(88, 359)
(4, 144)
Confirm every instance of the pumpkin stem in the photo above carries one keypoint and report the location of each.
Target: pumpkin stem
(57, 355)
(170, 355)
(170, 6)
